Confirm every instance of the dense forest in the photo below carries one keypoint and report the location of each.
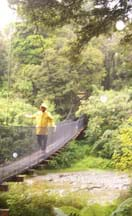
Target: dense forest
(71, 55)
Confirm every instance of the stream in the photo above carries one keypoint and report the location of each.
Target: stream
(100, 186)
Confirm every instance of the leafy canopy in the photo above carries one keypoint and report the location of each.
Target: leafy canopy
(88, 17)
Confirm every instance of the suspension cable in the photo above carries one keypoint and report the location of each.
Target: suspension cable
(8, 81)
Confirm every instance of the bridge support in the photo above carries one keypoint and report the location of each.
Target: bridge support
(4, 212)
(4, 188)
(28, 172)
(80, 135)
(40, 166)
(16, 179)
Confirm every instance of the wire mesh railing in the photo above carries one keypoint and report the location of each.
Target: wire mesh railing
(20, 150)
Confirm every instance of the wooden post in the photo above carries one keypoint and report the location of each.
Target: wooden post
(4, 212)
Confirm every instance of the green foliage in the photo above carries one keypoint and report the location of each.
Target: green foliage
(70, 155)
(15, 139)
(25, 200)
(41, 67)
(89, 162)
(27, 46)
(69, 210)
(33, 200)
(105, 119)
(122, 157)
(122, 71)
(76, 157)
(3, 58)
(3, 203)
(12, 111)
(28, 50)
(17, 133)
(116, 61)
(89, 18)
(90, 68)
(97, 210)
(20, 202)
(64, 80)
(124, 209)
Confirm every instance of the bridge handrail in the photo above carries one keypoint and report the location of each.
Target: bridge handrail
(65, 131)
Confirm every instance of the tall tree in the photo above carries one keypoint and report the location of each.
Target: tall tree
(53, 75)
(3, 58)
(117, 61)
(89, 17)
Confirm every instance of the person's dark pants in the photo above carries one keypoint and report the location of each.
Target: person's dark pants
(42, 141)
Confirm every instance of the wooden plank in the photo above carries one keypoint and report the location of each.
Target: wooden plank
(45, 162)
(39, 166)
(4, 212)
(4, 187)
(28, 172)
(16, 179)
(56, 153)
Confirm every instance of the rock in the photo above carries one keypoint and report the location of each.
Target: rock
(105, 185)
(62, 175)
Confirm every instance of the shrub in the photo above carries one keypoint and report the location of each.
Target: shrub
(107, 110)
(22, 201)
(72, 153)
(124, 209)
(69, 210)
(122, 157)
(97, 210)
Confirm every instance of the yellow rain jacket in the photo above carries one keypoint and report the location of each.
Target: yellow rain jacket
(43, 121)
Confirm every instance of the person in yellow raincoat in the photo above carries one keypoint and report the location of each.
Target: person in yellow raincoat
(43, 120)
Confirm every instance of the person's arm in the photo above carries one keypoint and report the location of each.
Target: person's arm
(51, 122)
(30, 116)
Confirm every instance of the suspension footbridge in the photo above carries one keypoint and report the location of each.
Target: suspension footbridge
(26, 149)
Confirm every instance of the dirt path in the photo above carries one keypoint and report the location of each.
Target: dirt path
(100, 186)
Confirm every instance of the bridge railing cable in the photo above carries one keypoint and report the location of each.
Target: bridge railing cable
(19, 149)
